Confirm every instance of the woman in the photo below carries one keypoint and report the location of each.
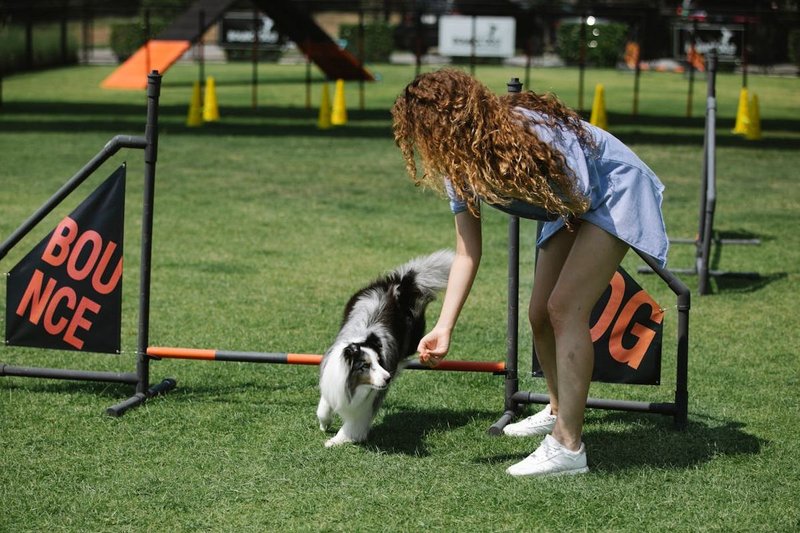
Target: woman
(529, 153)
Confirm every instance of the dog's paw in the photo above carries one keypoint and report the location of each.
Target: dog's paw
(324, 425)
(338, 440)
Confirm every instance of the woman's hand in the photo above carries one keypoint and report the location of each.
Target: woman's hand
(434, 346)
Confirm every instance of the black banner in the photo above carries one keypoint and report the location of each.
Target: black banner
(66, 293)
(626, 329)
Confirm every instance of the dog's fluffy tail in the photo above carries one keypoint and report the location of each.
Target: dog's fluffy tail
(430, 272)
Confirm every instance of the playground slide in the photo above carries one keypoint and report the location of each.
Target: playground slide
(160, 53)
(155, 55)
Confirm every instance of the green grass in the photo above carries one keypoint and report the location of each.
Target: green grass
(265, 225)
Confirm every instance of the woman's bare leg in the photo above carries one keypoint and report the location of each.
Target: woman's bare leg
(548, 267)
(592, 260)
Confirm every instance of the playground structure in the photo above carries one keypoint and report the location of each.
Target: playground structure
(161, 52)
(145, 354)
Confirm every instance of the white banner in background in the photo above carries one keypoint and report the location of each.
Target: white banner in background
(494, 36)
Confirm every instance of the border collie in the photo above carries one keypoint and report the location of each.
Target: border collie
(382, 325)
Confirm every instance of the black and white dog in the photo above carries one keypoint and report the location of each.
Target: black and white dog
(382, 325)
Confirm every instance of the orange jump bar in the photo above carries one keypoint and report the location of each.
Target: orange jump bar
(159, 352)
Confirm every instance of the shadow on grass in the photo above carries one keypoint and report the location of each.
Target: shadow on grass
(745, 282)
(723, 280)
(246, 81)
(113, 391)
(652, 442)
(676, 131)
(114, 118)
(405, 432)
(128, 118)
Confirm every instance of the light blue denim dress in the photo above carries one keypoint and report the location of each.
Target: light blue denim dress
(625, 195)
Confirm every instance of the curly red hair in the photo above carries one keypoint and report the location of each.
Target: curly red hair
(475, 138)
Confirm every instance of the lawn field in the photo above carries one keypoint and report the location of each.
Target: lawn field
(264, 226)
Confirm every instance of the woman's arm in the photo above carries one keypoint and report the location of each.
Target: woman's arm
(435, 345)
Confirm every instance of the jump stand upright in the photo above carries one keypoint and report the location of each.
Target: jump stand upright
(140, 378)
(516, 399)
(706, 236)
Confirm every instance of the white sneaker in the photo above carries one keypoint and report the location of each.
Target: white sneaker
(551, 459)
(539, 424)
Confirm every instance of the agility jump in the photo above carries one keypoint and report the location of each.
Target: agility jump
(140, 378)
(40, 302)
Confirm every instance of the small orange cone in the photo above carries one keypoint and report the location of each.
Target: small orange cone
(210, 107)
(195, 116)
(599, 117)
(339, 114)
(324, 120)
(742, 114)
(754, 127)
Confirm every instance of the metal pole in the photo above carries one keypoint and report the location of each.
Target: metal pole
(691, 55)
(473, 44)
(111, 148)
(150, 157)
(254, 57)
(528, 57)
(638, 69)
(142, 359)
(682, 370)
(581, 61)
(63, 39)
(512, 328)
(361, 55)
(682, 366)
(147, 41)
(200, 49)
(662, 408)
(61, 373)
(308, 76)
(286, 358)
(710, 172)
(417, 42)
(744, 54)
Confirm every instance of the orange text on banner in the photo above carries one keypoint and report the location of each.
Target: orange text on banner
(62, 310)
(630, 356)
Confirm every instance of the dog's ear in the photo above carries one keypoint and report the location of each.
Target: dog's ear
(374, 342)
(352, 351)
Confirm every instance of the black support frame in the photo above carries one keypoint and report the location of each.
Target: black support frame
(149, 144)
(706, 241)
(516, 399)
